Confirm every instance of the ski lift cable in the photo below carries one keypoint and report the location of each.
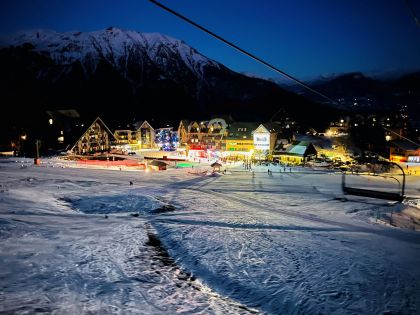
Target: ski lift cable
(397, 134)
(243, 51)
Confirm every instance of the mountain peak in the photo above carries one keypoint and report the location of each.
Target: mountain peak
(114, 46)
(112, 28)
(125, 73)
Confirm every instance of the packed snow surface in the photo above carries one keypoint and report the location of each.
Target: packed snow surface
(80, 241)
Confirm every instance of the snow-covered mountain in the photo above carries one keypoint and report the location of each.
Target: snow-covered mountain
(127, 51)
(126, 74)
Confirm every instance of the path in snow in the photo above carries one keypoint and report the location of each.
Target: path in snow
(288, 243)
(59, 254)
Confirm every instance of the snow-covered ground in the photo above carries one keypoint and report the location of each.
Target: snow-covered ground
(86, 241)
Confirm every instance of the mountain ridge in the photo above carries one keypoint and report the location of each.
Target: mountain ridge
(358, 91)
(125, 75)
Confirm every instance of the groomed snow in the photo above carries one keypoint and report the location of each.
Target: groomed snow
(80, 241)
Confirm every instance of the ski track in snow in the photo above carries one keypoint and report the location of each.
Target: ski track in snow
(233, 244)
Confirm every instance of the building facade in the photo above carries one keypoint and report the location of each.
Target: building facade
(297, 153)
(96, 139)
(143, 137)
(265, 139)
(404, 151)
(239, 141)
(203, 139)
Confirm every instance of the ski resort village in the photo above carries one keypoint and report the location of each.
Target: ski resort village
(140, 176)
(211, 217)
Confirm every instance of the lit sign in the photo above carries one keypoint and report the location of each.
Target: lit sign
(415, 159)
(262, 141)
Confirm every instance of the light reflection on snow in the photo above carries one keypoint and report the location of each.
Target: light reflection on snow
(289, 243)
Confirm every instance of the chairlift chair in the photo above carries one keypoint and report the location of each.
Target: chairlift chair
(375, 193)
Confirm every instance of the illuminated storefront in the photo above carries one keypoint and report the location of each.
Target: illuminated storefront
(265, 137)
(404, 151)
(239, 141)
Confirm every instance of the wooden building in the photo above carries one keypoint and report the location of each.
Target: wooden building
(143, 137)
(125, 136)
(146, 136)
(202, 138)
(216, 131)
(96, 139)
(183, 132)
(297, 153)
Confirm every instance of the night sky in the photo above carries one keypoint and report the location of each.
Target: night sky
(305, 38)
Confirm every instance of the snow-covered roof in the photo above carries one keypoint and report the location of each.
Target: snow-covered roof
(299, 149)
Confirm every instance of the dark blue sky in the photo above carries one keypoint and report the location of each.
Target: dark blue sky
(305, 38)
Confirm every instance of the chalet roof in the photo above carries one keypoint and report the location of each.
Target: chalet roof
(145, 124)
(202, 125)
(185, 123)
(299, 149)
(192, 123)
(100, 121)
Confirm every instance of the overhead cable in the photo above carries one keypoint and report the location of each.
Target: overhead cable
(243, 51)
